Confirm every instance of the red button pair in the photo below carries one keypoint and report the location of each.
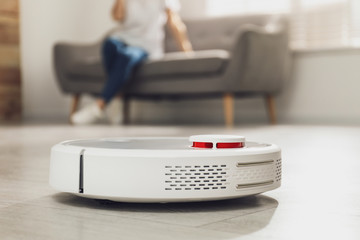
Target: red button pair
(218, 145)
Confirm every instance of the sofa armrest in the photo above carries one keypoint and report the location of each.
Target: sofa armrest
(259, 59)
(66, 54)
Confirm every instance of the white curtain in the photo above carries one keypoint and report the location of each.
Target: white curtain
(315, 24)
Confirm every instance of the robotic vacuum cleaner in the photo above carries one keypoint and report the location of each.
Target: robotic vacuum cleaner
(199, 168)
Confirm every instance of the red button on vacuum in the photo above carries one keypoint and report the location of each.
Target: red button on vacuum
(217, 141)
(202, 144)
(230, 145)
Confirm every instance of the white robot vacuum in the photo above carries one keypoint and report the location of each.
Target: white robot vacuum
(199, 168)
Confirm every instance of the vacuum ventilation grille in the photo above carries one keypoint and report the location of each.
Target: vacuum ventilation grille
(198, 177)
(278, 170)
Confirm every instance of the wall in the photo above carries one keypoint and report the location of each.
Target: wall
(193, 9)
(44, 22)
(322, 89)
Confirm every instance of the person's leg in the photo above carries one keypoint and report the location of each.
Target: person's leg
(119, 62)
(109, 49)
(138, 55)
(127, 58)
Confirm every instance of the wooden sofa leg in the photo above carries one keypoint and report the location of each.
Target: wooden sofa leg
(74, 104)
(126, 110)
(270, 106)
(229, 110)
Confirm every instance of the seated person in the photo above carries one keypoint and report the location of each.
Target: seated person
(139, 36)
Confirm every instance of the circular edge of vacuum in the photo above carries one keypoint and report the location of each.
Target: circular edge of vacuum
(165, 169)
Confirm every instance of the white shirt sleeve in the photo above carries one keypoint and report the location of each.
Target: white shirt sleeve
(173, 5)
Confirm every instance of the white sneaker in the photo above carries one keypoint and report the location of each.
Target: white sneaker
(88, 115)
(113, 111)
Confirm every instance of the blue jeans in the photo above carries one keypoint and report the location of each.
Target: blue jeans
(119, 61)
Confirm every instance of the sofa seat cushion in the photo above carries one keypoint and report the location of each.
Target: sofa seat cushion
(180, 63)
(176, 63)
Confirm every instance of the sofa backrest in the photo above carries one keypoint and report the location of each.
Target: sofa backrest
(215, 33)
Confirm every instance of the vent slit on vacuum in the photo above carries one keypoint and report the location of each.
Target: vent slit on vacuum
(198, 177)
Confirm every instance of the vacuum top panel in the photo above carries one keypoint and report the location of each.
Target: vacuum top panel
(162, 143)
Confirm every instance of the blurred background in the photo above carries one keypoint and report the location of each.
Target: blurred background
(323, 87)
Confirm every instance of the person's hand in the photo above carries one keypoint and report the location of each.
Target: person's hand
(118, 10)
(179, 31)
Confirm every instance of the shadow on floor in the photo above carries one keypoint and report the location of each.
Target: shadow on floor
(66, 216)
(248, 204)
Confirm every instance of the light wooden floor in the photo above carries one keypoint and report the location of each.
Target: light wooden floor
(319, 198)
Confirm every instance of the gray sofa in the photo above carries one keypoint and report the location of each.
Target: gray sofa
(233, 56)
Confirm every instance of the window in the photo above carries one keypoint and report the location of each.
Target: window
(315, 24)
